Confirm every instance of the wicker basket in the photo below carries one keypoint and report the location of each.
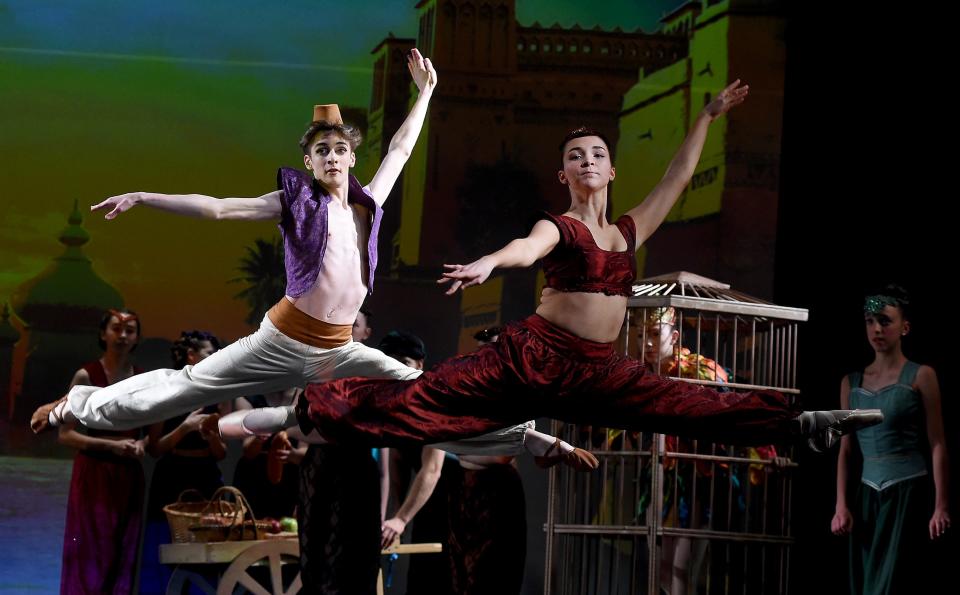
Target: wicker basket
(222, 520)
(186, 513)
(247, 530)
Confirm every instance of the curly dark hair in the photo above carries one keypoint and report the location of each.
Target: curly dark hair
(190, 340)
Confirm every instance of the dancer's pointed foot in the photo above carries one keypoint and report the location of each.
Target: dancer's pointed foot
(577, 458)
(825, 428)
(48, 416)
(256, 422)
(228, 427)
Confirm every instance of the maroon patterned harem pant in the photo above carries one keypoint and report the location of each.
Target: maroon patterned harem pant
(537, 369)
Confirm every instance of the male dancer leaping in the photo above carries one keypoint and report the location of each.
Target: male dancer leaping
(329, 224)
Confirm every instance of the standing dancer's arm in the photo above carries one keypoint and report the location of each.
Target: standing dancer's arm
(293, 455)
(159, 443)
(402, 143)
(383, 462)
(125, 447)
(69, 436)
(261, 208)
(421, 490)
(930, 391)
(649, 214)
(842, 522)
(218, 448)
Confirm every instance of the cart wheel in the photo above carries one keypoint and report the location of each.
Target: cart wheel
(271, 553)
(183, 578)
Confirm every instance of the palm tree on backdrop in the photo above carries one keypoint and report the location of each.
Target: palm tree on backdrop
(263, 272)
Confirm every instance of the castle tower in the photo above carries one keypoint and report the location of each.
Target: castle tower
(61, 310)
(724, 224)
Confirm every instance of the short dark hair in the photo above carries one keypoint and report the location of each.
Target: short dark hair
(580, 133)
(367, 313)
(350, 133)
(105, 320)
(190, 340)
(399, 344)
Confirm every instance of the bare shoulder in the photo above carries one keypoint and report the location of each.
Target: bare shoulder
(80, 377)
(926, 377)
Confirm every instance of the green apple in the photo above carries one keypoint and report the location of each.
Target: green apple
(288, 524)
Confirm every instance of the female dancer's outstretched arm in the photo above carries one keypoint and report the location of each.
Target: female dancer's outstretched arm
(521, 252)
(649, 214)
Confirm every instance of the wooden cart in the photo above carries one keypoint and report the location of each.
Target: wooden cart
(240, 556)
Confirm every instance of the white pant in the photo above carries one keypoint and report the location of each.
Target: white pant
(508, 442)
(263, 362)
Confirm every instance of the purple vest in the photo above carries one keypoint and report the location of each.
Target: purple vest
(303, 226)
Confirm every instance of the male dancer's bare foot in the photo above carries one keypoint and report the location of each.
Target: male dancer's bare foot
(40, 420)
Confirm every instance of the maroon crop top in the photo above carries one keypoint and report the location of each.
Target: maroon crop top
(578, 264)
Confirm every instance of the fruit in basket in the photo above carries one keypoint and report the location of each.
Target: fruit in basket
(288, 524)
(273, 525)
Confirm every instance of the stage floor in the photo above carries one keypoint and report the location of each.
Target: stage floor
(33, 504)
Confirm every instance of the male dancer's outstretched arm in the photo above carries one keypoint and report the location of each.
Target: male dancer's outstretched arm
(403, 141)
(260, 208)
(267, 206)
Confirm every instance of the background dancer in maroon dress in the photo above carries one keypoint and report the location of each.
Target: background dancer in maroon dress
(105, 504)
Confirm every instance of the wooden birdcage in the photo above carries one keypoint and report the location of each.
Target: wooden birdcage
(719, 514)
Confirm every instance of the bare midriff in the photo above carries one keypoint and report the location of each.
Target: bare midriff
(340, 288)
(592, 316)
